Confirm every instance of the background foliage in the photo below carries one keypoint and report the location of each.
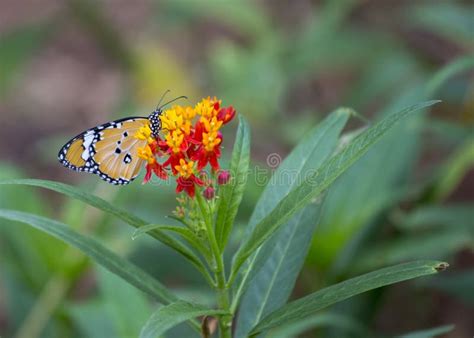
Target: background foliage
(65, 66)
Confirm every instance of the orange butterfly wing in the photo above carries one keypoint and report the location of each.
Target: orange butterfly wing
(73, 155)
(116, 152)
(108, 150)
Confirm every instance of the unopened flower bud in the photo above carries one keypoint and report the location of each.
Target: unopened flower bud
(209, 193)
(179, 212)
(203, 175)
(223, 177)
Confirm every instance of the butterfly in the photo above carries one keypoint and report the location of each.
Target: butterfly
(109, 150)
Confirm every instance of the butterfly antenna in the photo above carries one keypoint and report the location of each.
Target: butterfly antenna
(175, 99)
(161, 99)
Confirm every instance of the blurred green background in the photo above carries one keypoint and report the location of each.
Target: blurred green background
(68, 65)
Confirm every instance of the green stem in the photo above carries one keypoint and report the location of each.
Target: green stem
(225, 321)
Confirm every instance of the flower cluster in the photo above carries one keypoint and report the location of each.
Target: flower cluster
(190, 140)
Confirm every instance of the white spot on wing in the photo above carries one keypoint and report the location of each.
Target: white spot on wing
(88, 138)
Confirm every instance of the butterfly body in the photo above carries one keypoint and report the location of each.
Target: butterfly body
(155, 122)
(110, 150)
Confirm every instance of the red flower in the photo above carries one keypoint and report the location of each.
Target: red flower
(226, 114)
(187, 147)
(210, 138)
(187, 179)
(173, 161)
(204, 157)
(188, 185)
(156, 168)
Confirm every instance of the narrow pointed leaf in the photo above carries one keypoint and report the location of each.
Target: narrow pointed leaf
(345, 323)
(316, 183)
(272, 271)
(348, 213)
(454, 170)
(189, 236)
(171, 315)
(323, 298)
(428, 333)
(459, 65)
(100, 254)
(119, 297)
(82, 196)
(431, 216)
(270, 287)
(231, 194)
(146, 229)
(109, 208)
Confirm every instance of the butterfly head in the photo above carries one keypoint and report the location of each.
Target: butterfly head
(155, 122)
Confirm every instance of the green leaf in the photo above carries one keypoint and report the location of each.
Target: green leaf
(83, 196)
(230, 195)
(272, 272)
(459, 65)
(454, 170)
(100, 254)
(105, 206)
(119, 298)
(348, 214)
(272, 284)
(189, 236)
(451, 215)
(428, 333)
(171, 315)
(35, 256)
(347, 324)
(316, 301)
(316, 183)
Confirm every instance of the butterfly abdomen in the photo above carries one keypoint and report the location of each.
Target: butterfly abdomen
(155, 122)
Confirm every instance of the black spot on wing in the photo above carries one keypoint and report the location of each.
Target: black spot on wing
(91, 166)
(127, 159)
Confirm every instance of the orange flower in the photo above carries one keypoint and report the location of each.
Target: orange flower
(186, 146)
(208, 107)
(175, 141)
(152, 166)
(187, 179)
